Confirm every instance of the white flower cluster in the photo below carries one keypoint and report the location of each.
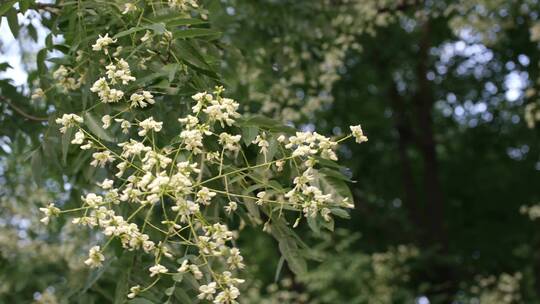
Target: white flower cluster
(504, 289)
(532, 211)
(217, 108)
(68, 120)
(532, 114)
(183, 5)
(105, 93)
(117, 72)
(65, 81)
(167, 189)
(310, 143)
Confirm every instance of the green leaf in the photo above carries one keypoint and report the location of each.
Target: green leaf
(278, 269)
(13, 22)
(335, 174)
(265, 123)
(94, 275)
(314, 224)
(158, 28)
(32, 32)
(340, 213)
(4, 66)
(122, 287)
(182, 296)
(171, 70)
(66, 60)
(36, 164)
(175, 19)
(40, 61)
(66, 141)
(288, 247)
(191, 56)
(290, 252)
(332, 185)
(328, 224)
(6, 6)
(194, 32)
(61, 47)
(24, 5)
(184, 21)
(249, 133)
(95, 127)
(130, 31)
(169, 291)
(178, 277)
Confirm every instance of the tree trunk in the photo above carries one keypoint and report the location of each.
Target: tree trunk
(441, 273)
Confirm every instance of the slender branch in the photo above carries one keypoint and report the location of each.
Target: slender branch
(21, 111)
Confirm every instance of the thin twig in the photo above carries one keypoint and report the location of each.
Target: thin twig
(21, 111)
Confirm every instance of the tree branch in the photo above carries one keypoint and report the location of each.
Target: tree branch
(21, 111)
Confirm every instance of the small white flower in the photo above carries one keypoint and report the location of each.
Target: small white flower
(190, 121)
(124, 125)
(157, 269)
(196, 272)
(102, 42)
(261, 141)
(235, 259)
(106, 184)
(358, 134)
(141, 100)
(231, 207)
(79, 138)
(206, 292)
(38, 94)
(345, 203)
(106, 120)
(61, 73)
(94, 257)
(149, 124)
(134, 291)
(118, 51)
(279, 165)
(129, 7)
(184, 267)
(146, 36)
(92, 200)
(260, 197)
(101, 158)
(325, 213)
(205, 195)
(50, 210)
(228, 295)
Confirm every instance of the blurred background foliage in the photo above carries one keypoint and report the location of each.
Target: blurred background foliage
(446, 90)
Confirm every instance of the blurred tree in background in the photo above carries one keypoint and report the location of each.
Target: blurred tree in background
(444, 191)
